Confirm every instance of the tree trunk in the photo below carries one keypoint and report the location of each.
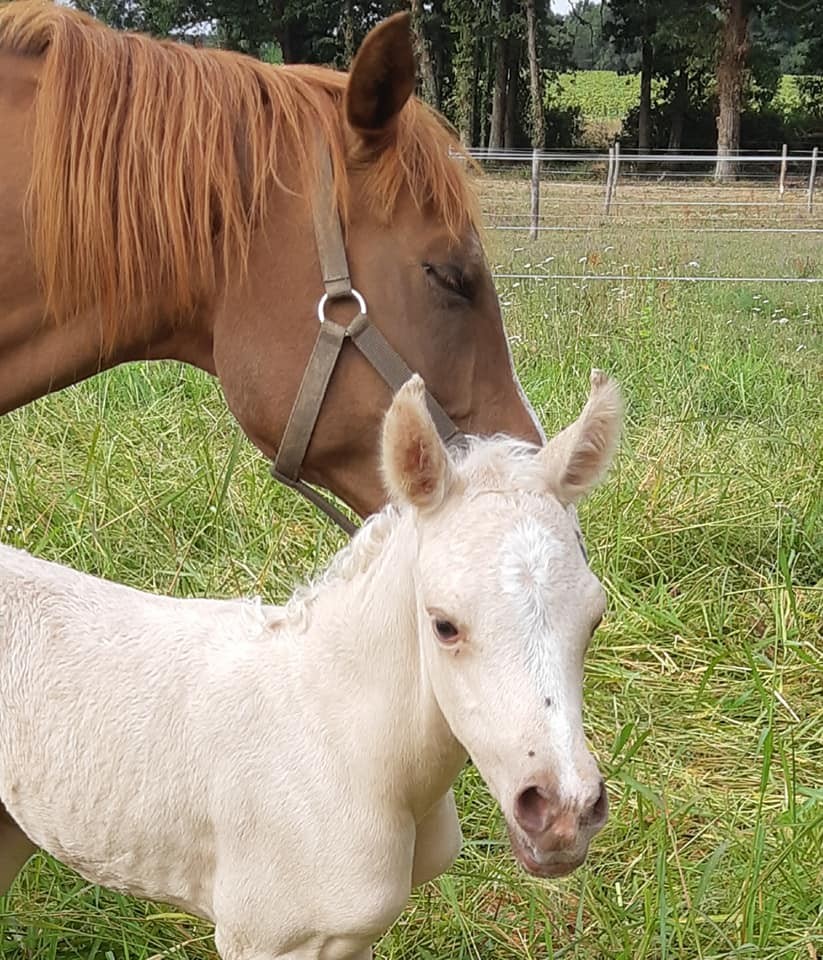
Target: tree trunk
(464, 82)
(288, 46)
(497, 128)
(284, 33)
(732, 57)
(512, 83)
(348, 32)
(679, 104)
(428, 84)
(441, 62)
(474, 83)
(440, 68)
(644, 120)
(538, 132)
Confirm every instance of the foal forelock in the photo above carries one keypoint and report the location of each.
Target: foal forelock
(154, 161)
(537, 571)
(529, 556)
(499, 467)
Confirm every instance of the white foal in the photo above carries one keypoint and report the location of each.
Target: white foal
(286, 772)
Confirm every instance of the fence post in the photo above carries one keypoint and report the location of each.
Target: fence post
(535, 208)
(812, 176)
(781, 187)
(616, 173)
(607, 199)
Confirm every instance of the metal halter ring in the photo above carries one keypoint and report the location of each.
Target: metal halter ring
(321, 306)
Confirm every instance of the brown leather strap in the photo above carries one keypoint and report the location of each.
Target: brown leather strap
(326, 352)
(328, 233)
(310, 395)
(313, 496)
(394, 370)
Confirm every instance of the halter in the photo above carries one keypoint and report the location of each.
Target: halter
(331, 336)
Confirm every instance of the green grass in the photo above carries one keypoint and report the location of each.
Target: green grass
(704, 686)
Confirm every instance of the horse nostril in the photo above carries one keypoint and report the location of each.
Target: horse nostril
(532, 809)
(600, 808)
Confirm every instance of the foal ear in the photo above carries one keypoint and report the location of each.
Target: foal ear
(414, 461)
(382, 79)
(578, 457)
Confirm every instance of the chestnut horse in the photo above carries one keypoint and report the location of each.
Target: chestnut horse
(156, 202)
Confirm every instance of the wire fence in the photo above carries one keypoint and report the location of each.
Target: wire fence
(651, 277)
(765, 183)
(614, 199)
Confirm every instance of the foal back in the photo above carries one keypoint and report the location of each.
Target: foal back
(98, 683)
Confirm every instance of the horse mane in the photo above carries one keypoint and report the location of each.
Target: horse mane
(153, 161)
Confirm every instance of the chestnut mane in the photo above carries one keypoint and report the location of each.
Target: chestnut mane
(153, 161)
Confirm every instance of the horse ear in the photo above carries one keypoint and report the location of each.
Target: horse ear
(382, 79)
(415, 464)
(578, 457)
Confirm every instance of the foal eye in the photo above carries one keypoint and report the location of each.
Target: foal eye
(446, 631)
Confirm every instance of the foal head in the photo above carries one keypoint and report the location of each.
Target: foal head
(507, 606)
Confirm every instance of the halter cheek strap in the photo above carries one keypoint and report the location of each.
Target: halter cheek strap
(328, 345)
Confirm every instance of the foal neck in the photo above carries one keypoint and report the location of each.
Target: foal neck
(362, 637)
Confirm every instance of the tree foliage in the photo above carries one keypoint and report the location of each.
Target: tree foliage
(474, 54)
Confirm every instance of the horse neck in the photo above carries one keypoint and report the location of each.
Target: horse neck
(38, 356)
(364, 633)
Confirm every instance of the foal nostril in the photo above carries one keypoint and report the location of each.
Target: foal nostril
(599, 810)
(532, 810)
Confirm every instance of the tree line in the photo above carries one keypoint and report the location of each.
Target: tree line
(490, 65)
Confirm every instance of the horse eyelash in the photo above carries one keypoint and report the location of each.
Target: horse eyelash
(452, 278)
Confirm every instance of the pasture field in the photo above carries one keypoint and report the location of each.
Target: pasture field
(600, 94)
(606, 95)
(704, 685)
(569, 197)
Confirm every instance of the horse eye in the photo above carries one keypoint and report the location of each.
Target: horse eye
(450, 277)
(446, 631)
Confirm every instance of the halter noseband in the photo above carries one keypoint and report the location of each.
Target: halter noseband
(331, 336)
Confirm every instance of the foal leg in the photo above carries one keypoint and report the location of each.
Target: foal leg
(336, 949)
(300, 954)
(15, 850)
(311, 953)
(438, 841)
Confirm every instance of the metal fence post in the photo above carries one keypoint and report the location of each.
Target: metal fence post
(607, 199)
(535, 205)
(781, 187)
(812, 176)
(616, 173)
